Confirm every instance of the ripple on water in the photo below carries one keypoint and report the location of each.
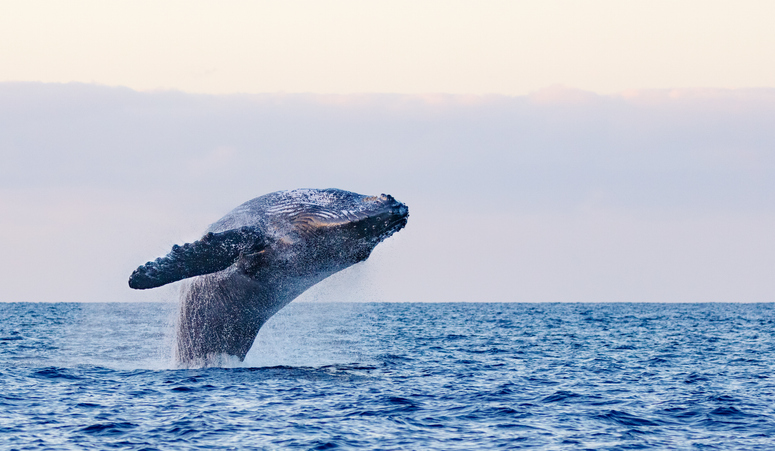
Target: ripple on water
(396, 376)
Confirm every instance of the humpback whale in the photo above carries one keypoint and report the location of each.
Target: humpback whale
(261, 256)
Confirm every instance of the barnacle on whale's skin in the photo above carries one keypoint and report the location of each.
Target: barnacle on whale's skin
(261, 256)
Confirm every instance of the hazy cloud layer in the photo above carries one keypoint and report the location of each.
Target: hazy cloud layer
(562, 195)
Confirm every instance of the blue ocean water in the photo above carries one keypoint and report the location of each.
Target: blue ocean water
(396, 376)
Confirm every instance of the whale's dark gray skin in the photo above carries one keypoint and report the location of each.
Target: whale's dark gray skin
(261, 256)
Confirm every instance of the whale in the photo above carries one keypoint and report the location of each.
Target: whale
(261, 256)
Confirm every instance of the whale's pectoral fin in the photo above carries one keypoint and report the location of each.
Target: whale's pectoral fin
(213, 252)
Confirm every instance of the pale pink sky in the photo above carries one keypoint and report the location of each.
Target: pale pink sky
(499, 46)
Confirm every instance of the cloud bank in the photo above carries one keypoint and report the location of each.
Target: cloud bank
(562, 195)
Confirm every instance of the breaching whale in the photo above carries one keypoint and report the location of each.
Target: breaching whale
(260, 257)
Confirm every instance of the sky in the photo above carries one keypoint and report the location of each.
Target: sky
(548, 151)
(397, 46)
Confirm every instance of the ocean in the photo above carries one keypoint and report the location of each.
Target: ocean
(411, 376)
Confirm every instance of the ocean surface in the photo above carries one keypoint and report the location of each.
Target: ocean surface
(396, 376)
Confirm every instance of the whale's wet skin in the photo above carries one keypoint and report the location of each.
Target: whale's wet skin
(261, 256)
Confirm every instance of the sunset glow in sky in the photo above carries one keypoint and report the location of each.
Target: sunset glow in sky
(503, 47)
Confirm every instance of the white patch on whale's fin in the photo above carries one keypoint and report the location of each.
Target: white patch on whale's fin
(212, 253)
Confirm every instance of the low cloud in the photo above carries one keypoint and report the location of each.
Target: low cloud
(562, 195)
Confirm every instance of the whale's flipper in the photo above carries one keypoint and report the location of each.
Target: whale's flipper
(213, 252)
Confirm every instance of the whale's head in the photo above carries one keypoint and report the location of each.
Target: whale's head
(303, 232)
(338, 225)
